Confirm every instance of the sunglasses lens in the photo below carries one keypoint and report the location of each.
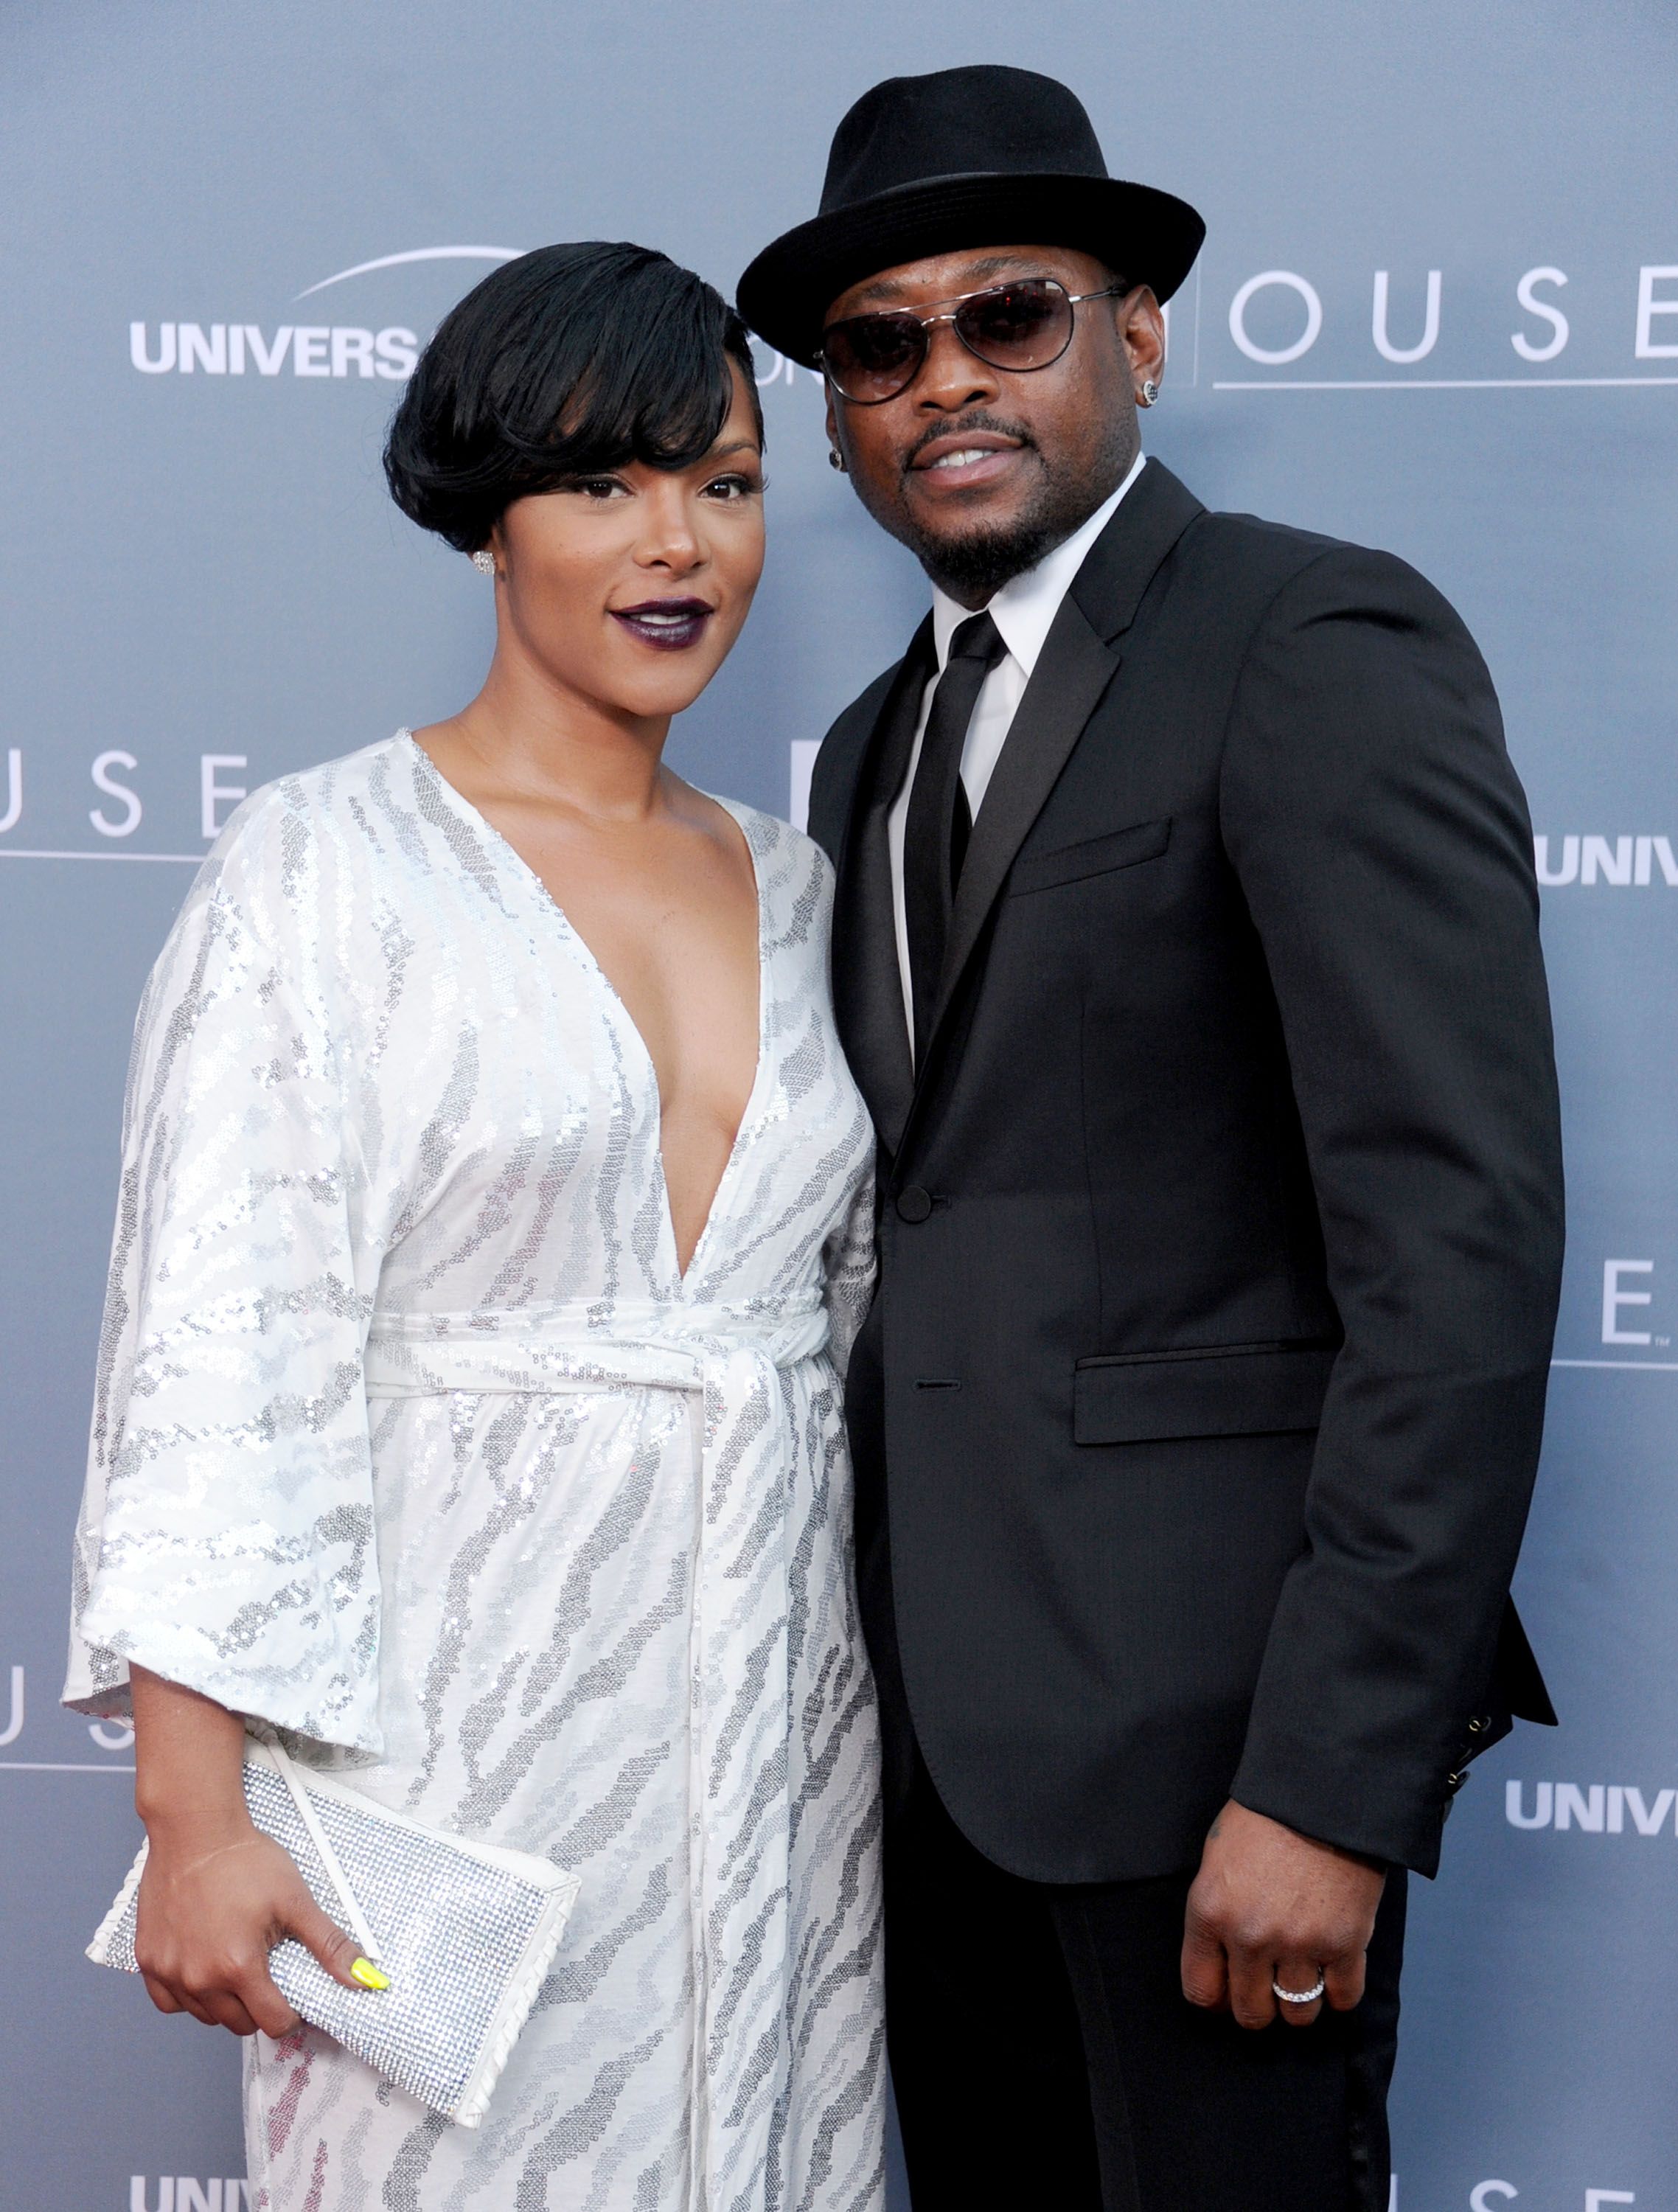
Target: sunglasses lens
(1018, 325)
(873, 357)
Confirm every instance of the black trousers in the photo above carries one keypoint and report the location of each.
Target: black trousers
(1045, 2058)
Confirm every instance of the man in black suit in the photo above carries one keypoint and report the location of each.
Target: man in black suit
(1186, 949)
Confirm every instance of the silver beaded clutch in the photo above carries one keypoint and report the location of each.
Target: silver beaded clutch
(466, 1932)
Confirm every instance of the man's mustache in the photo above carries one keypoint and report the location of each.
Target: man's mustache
(980, 420)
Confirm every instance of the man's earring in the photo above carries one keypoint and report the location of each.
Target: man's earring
(484, 561)
(835, 461)
(1149, 392)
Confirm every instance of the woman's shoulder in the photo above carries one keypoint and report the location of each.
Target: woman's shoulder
(293, 821)
(782, 852)
(312, 797)
(304, 840)
(794, 881)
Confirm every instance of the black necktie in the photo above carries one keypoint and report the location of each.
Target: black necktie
(936, 833)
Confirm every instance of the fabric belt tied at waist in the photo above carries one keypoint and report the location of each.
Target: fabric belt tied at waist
(739, 1788)
(621, 1344)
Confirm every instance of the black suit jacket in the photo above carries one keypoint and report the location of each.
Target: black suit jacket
(1196, 1416)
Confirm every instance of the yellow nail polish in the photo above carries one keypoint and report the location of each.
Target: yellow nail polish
(368, 1975)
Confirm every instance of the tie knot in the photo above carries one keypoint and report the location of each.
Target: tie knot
(977, 639)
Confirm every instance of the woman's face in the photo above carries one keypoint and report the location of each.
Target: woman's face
(628, 589)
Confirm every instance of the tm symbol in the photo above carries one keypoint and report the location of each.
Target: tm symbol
(1663, 1341)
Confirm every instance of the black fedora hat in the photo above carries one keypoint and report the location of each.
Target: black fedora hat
(965, 157)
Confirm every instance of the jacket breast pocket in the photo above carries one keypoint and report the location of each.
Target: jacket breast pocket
(1226, 1390)
(1090, 856)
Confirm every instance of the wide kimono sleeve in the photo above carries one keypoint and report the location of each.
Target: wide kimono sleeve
(225, 1540)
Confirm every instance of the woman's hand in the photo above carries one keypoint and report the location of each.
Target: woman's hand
(217, 1894)
(212, 1906)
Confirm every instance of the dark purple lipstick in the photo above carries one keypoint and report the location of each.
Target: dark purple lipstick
(672, 625)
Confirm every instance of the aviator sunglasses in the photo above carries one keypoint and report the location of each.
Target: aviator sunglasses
(870, 359)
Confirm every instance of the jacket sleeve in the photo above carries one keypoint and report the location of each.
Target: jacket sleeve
(1384, 848)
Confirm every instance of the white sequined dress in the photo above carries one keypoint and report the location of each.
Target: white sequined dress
(411, 1439)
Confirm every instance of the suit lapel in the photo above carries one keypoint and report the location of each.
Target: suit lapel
(1080, 658)
(867, 982)
(1048, 723)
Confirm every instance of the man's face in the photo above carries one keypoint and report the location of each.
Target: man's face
(980, 472)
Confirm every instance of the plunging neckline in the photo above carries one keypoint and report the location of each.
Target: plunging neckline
(588, 960)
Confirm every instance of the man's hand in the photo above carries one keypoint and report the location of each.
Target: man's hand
(1269, 1902)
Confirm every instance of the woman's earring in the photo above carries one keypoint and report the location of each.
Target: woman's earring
(484, 561)
(835, 461)
(1149, 392)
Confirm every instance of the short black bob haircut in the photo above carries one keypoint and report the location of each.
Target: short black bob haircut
(565, 362)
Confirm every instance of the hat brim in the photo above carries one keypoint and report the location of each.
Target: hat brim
(1146, 236)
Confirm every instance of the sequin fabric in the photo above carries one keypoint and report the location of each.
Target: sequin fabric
(411, 1440)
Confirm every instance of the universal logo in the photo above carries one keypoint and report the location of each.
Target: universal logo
(1614, 861)
(1593, 1808)
(314, 349)
(309, 349)
(327, 351)
(182, 2192)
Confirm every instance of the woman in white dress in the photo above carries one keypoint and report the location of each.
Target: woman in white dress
(495, 1218)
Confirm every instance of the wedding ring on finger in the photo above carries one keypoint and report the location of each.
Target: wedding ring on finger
(1300, 1996)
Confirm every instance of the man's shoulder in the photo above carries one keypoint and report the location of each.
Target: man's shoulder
(1222, 572)
(1269, 552)
(1261, 560)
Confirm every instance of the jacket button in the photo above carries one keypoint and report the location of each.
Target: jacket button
(914, 1204)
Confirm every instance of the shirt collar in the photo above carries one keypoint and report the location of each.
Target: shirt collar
(1025, 607)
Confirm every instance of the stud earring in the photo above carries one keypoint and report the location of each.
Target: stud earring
(484, 561)
(835, 461)
(1149, 392)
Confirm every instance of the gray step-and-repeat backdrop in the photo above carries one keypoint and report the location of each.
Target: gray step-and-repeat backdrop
(1437, 311)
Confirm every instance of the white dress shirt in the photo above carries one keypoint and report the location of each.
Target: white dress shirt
(1022, 610)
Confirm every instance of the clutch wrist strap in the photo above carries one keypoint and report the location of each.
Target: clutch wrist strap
(283, 1764)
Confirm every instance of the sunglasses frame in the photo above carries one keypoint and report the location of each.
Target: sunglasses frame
(954, 303)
